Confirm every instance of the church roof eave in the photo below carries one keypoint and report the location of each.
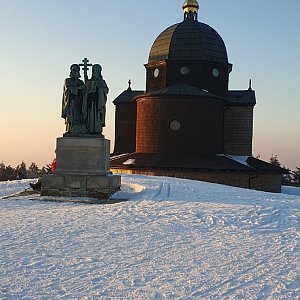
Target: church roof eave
(180, 89)
(241, 98)
(127, 96)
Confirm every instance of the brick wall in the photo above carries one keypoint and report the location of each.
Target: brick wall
(201, 123)
(200, 76)
(238, 130)
(152, 82)
(259, 181)
(125, 128)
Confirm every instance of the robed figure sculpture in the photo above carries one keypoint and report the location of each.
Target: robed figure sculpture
(84, 104)
(72, 102)
(96, 91)
(82, 154)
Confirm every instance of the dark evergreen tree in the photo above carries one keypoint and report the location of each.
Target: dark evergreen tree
(34, 170)
(296, 176)
(21, 171)
(46, 169)
(2, 171)
(9, 173)
(274, 161)
(287, 179)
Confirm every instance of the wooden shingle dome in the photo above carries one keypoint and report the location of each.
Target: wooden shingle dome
(204, 44)
(189, 52)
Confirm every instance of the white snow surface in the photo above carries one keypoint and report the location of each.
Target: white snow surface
(240, 159)
(173, 239)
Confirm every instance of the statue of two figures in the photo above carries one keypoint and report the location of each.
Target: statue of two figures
(83, 104)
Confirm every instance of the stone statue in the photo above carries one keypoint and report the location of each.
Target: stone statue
(72, 102)
(95, 101)
(84, 104)
(82, 154)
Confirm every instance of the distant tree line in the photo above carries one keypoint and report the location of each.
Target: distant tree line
(33, 171)
(22, 172)
(292, 178)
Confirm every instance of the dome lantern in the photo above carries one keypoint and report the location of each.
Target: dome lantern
(190, 8)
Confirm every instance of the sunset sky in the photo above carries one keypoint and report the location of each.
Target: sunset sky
(41, 39)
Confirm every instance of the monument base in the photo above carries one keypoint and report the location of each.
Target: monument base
(82, 169)
(101, 187)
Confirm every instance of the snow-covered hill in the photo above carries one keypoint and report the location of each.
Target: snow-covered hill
(173, 239)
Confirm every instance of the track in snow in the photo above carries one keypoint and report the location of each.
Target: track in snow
(174, 239)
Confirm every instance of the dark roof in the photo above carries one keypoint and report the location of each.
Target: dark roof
(127, 96)
(241, 98)
(181, 89)
(262, 165)
(159, 160)
(194, 162)
(233, 98)
(189, 40)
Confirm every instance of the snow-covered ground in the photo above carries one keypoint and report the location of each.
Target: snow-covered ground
(173, 239)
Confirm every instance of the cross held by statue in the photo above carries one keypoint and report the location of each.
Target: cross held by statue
(85, 68)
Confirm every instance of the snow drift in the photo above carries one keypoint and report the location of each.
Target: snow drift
(173, 239)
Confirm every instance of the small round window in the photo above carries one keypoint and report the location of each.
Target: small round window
(175, 125)
(185, 70)
(156, 72)
(216, 72)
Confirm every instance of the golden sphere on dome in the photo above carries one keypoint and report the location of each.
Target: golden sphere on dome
(190, 6)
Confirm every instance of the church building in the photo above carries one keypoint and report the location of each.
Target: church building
(187, 123)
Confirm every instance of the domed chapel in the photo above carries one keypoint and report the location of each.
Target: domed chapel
(187, 123)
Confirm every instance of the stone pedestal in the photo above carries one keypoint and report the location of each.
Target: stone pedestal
(82, 169)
